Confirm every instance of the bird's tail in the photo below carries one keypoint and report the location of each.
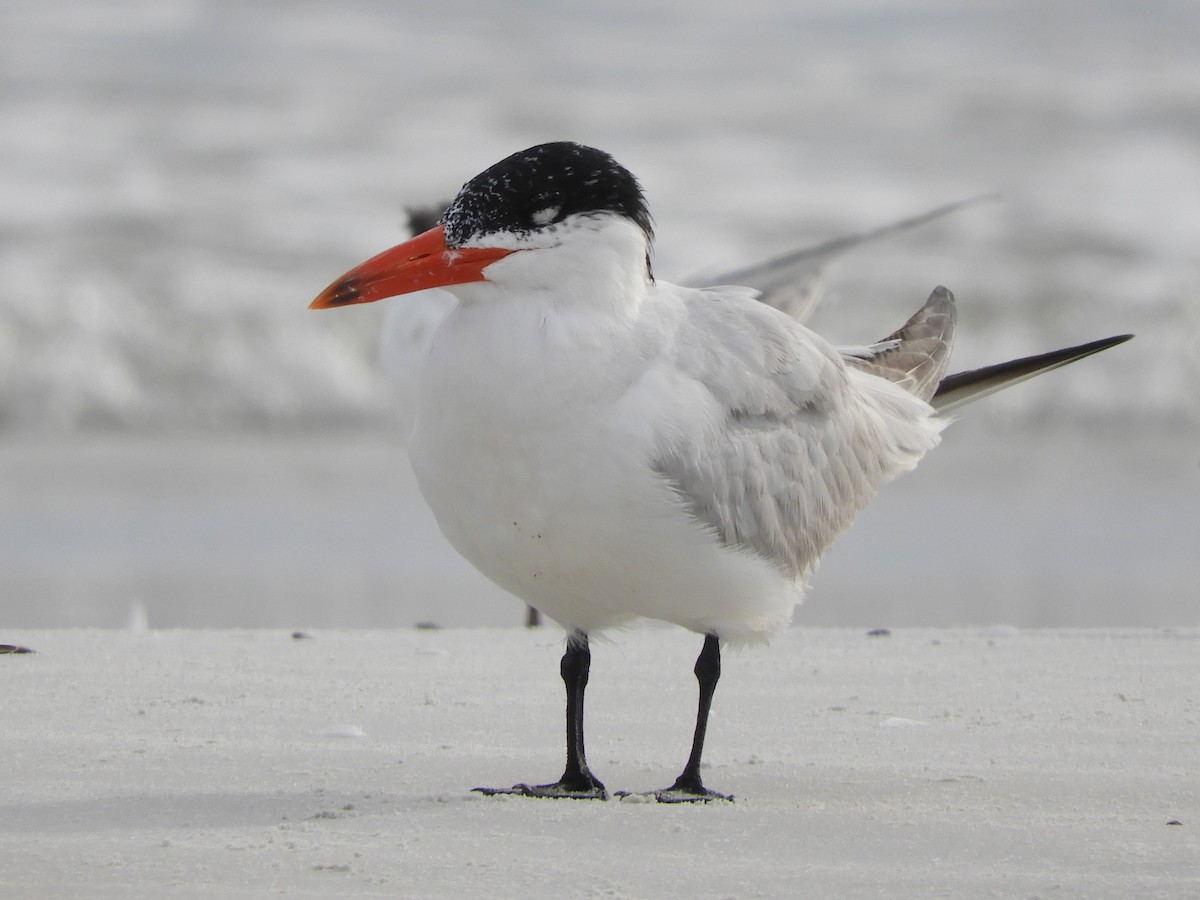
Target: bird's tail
(914, 356)
(956, 390)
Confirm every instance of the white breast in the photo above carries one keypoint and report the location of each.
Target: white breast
(533, 447)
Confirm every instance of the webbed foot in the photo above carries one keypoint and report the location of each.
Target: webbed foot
(586, 788)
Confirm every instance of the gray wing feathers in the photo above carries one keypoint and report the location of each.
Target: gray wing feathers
(794, 446)
(800, 436)
(914, 357)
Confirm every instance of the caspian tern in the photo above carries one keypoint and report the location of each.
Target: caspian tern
(792, 283)
(606, 446)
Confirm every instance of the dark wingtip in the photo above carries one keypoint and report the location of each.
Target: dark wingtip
(1071, 354)
(963, 387)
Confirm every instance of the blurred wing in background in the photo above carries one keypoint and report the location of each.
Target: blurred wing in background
(794, 282)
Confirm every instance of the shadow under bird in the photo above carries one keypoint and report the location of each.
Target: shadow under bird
(607, 446)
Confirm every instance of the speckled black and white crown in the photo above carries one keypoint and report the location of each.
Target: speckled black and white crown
(540, 187)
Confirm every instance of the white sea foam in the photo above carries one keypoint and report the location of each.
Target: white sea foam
(175, 193)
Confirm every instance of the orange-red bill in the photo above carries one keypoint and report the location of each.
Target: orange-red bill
(416, 265)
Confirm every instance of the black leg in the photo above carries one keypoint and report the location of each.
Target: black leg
(689, 787)
(577, 780)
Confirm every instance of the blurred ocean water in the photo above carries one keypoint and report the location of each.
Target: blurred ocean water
(329, 531)
(179, 177)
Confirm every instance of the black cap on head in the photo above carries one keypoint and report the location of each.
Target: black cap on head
(543, 185)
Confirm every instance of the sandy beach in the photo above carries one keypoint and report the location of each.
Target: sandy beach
(928, 763)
